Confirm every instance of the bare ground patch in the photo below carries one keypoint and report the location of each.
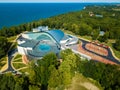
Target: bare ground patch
(80, 82)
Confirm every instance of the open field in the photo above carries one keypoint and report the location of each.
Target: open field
(24, 69)
(17, 60)
(11, 39)
(3, 63)
(79, 82)
(18, 56)
(116, 53)
(18, 65)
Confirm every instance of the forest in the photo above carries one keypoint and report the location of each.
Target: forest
(50, 73)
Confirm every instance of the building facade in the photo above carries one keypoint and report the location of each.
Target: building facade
(37, 44)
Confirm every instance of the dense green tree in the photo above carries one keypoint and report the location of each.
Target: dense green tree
(85, 30)
(95, 34)
(105, 74)
(33, 87)
(7, 82)
(18, 86)
(55, 79)
(117, 45)
(68, 66)
(22, 82)
(40, 73)
(4, 45)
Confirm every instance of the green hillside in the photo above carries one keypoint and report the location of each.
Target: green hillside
(73, 73)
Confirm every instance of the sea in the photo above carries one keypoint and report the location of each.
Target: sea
(13, 14)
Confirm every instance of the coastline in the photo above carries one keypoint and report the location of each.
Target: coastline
(21, 13)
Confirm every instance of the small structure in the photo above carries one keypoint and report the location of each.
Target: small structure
(98, 15)
(84, 8)
(113, 14)
(101, 33)
(40, 29)
(91, 14)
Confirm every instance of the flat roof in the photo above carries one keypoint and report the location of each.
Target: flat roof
(29, 43)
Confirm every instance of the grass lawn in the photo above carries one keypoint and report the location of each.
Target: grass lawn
(3, 68)
(24, 70)
(18, 65)
(68, 32)
(3, 61)
(79, 82)
(85, 37)
(13, 43)
(17, 60)
(18, 56)
(11, 39)
(117, 53)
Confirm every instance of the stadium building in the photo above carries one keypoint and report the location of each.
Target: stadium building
(41, 41)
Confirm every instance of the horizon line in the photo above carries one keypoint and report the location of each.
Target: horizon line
(58, 2)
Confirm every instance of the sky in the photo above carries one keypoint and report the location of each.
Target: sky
(109, 1)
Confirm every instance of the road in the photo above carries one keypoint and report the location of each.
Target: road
(10, 57)
(109, 56)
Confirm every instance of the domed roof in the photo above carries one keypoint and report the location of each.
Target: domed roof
(56, 34)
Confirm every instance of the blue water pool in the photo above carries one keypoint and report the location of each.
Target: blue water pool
(44, 47)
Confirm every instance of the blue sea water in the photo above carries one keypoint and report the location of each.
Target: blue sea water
(12, 14)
